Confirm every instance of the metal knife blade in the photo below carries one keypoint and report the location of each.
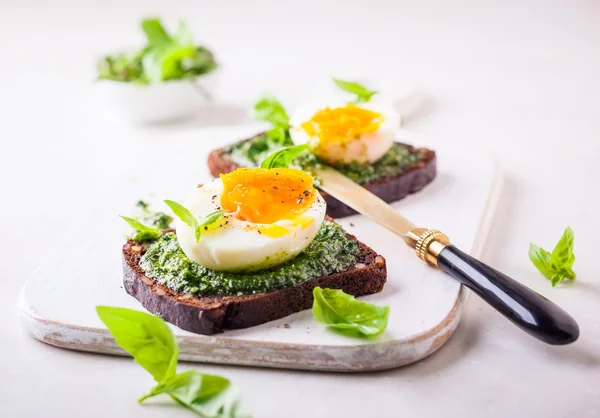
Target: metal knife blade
(363, 201)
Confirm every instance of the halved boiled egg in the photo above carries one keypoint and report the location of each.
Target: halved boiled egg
(348, 133)
(272, 215)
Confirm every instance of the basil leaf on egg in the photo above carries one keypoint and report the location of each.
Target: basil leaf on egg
(362, 93)
(212, 217)
(144, 232)
(186, 216)
(146, 337)
(283, 157)
(345, 314)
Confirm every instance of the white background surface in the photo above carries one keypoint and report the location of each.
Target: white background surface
(518, 78)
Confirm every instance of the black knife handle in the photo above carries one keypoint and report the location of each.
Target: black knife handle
(529, 310)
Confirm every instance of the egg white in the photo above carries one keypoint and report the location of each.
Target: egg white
(235, 245)
(366, 149)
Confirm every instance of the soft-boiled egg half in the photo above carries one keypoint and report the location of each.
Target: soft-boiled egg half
(347, 133)
(272, 215)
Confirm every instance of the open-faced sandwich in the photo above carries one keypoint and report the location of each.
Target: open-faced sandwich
(248, 247)
(356, 138)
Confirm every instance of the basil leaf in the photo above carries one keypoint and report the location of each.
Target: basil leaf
(562, 256)
(269, 109)
(343, 312)
(278, 135)
(362, 93)
(121, 67)
(160, 65)
(212, 217)
(143, 205)
(173, 59)
(558, 265)
(144, 232)
(190, 386)
(202, 62)
(146, 337)
(156, 34)
(207, 395)
(183, 34)
(541, 260)
(283, 157)
(185, 215)
(157, 219)
(161, 220)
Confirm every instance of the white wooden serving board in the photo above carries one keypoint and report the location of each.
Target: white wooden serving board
(57, 303)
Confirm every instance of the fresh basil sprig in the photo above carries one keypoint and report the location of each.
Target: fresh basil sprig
(154, 347)
(284, 157)
(558, 265)
(188, 217)
(205, 394)
(362, 93)
(146, 337)
(269, 109)
(144, 232)
(342, 312)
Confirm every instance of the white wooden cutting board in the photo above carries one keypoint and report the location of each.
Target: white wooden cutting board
(57, 303)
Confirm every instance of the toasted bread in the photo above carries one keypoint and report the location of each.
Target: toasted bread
(215, 313)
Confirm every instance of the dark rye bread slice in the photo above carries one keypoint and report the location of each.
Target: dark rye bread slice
(390, 189)
(213, 314)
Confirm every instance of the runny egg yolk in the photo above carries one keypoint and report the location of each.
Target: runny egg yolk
(265, 196)
(342, 124)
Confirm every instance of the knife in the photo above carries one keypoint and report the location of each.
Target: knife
(527, 309)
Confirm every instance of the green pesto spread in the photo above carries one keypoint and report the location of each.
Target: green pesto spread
(330, 252)
(251, 152)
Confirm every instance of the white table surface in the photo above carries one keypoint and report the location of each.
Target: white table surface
(519, 78)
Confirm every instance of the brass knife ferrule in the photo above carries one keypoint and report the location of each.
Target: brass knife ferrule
(428, 243)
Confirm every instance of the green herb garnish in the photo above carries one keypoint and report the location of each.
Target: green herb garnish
(557, 265)
(146, 337)
(362, 93)
(143, 232)
(154, 347)
(159, 220)
(283, 157)
(269, 109)
(164, 57)
(342, 312)
(143, 205)
(186, 216)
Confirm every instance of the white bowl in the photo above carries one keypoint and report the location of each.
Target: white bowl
(156, 103)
